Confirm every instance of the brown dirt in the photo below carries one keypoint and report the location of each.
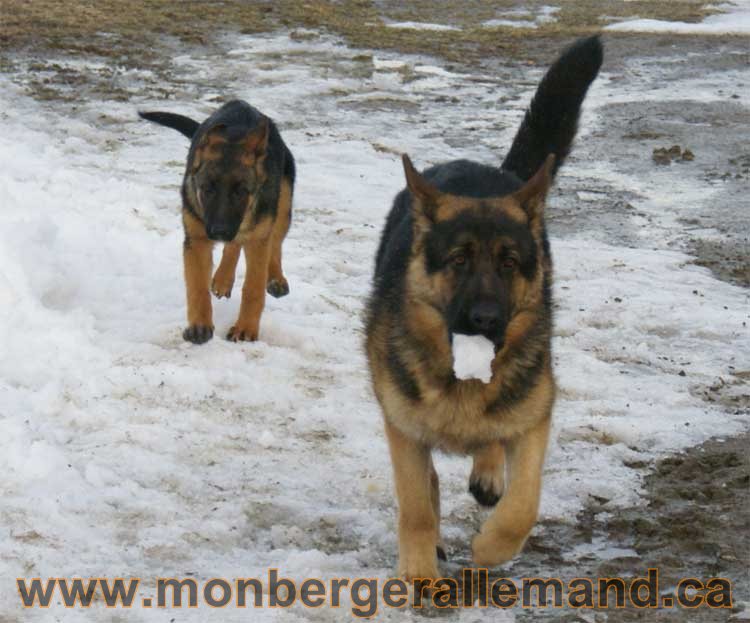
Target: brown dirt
(695, 523)
(116, 27)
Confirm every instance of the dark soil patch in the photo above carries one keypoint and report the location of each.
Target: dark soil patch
(695, 524)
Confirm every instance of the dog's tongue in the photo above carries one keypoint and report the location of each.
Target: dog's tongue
(472, 357)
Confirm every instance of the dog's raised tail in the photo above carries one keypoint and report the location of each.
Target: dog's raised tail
(184, 125)
(551, 121)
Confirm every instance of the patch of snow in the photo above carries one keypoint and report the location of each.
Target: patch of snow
(433, 70)
(735, 20)
(422, 26)
(510, 23)
(383, 63)
(472, 357)
(533, 18)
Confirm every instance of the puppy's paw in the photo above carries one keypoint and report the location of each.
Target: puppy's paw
(487, 486)
(221, 287)
(490, 549)
(240, 333)
(198, 333)
(278, 287)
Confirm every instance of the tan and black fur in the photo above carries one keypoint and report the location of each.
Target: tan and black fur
(237, 189)
(465, 250)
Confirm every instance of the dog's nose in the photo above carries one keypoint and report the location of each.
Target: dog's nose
(484, 316)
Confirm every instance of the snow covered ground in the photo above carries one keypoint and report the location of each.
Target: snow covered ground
(126, 452)
(734, 19)
(528, 17)
(525, 18)
(422, 26)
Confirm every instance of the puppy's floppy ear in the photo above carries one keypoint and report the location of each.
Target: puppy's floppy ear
(425, 195)
(534, 192)
(256, 141)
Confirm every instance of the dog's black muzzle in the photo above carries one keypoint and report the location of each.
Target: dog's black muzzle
(220, 232)
(484, 317)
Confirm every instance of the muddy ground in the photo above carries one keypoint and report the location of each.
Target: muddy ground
(696, 517)
(695, 523)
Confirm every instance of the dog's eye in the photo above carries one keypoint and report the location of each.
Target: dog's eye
(459, 259)
(209, 189)
(509, 263)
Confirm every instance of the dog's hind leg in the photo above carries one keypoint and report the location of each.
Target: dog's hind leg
(487, 479)
(277, 283)
(504, 533)
(224, 276)
(417, 524)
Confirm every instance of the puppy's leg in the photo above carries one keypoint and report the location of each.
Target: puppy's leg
(197, 261)
(505, 531)
(224, 276)
(277, 283)
(417, 525)
(487, 478)
(257, 254)
(435, 495)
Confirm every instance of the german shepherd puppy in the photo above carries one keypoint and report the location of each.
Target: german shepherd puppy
(464, 250)
(237, 189)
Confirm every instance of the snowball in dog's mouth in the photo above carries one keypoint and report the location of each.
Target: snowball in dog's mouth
(472, 357)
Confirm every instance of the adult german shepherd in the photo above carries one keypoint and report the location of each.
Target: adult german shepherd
(237, 189)
(464, 250)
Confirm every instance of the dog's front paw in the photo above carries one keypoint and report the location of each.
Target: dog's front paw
(487, 480)
(198, 333)
(415, 569)
(418, 555)
(278, 287)
(487, 488)
(221, 287)
(239, 333)
(490, 549)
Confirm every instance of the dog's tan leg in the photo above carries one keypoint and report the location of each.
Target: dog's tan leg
(417, 525)
(277, 283)
(257, 255)
(505, 531)
(224, 276)
(487, 479)
(198, 262)
(435, 493)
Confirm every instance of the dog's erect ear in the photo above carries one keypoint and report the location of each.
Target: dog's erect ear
(256, 142)
(425, 194)
(533, 193)
(208, 146)
(214, 135)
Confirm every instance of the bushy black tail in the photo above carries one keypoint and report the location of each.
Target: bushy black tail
(184, 125)
(551, 121)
